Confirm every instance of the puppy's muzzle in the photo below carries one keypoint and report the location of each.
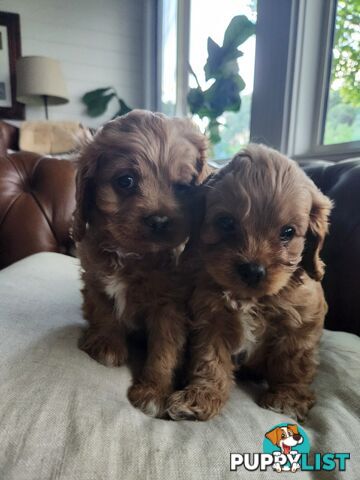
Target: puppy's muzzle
(251, 273)
(157, 223)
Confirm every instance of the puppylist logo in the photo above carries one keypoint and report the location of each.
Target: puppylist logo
(286, 448)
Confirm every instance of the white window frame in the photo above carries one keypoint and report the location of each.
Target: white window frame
(153, 61)
(152, 50)
(183, 55)
(310, 86)
(292, 68)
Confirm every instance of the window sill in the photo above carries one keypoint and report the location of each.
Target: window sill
(334, 153)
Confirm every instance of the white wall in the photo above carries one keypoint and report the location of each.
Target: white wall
(98, 42)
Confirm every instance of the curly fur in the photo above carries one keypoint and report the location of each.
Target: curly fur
(128, 269)
(271, 328)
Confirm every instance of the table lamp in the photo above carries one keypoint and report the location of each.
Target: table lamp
(39, 80)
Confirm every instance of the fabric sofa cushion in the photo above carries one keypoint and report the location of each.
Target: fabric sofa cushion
(45, 137)
(64, 416)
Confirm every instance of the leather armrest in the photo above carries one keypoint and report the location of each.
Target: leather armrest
(37, 200)
(9, 137)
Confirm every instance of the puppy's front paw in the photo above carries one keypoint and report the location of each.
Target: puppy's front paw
(111, 352)
(195, 402)
(148, 398)
(295, 401)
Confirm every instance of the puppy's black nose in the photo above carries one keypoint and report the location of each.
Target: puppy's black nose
(251, 273)
(297, 437)
(157, 223)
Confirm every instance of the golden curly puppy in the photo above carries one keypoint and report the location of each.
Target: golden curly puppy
(258, 297)
(134, 188)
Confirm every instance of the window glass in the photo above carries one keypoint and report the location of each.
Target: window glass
(342, 121)
(235, 131)
(169, 46)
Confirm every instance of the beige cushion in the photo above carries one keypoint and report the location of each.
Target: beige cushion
(51, 137)
(65, 417)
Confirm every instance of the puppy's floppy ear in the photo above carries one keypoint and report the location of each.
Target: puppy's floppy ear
(198, 206)
(315, 235)
(207, 231)
(192, 132)
(274, 435)
(85, 190)
(203, 168)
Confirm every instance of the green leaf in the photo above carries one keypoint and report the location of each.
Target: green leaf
(123, 107)
(98, 105)
(224, 94)
(239, 30)
(221, 64)
(213, 132)
(230, 67)
(214, 60)
(93, 95)
(195, 99)
(240, 82)
(207, 111)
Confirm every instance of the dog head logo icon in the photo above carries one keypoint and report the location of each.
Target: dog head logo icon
(286, 442)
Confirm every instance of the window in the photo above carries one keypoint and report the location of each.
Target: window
(183, 40)
(235, 131)
(342, 120)
(322, 115)
(303, 95)
(169, 57)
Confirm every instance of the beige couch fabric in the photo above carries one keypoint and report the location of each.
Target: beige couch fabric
(63, 416)
(47, 137)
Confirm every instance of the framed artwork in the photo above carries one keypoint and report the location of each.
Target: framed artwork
(10, 51)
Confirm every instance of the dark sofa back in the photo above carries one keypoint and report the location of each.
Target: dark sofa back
(341, 182)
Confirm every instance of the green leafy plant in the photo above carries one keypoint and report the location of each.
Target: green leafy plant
(346, 56)
(221, 65)
(97, 102)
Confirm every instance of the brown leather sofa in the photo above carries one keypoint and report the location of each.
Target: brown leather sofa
(37, 198)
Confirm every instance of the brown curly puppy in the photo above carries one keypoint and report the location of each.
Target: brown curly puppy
(258, 296)
(134, 188)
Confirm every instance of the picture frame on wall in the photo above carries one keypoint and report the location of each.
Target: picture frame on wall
(10, 51)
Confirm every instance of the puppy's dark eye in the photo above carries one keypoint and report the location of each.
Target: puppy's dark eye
(225, 223)
(125, 182)
(287, 233)
(182, 188)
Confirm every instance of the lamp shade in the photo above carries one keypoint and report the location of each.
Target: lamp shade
(37, 77)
